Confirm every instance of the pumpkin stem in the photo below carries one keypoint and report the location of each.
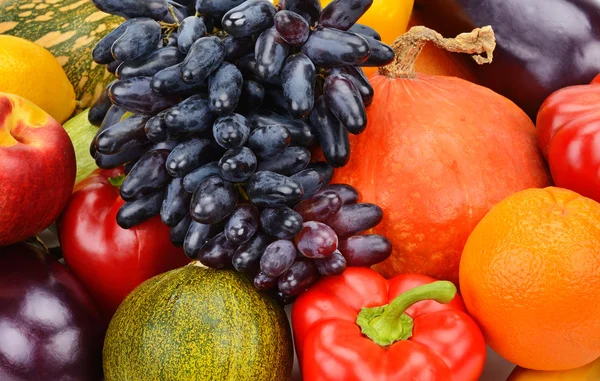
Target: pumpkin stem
(408, 47)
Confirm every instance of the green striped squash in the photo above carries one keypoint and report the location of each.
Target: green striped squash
(69, 29)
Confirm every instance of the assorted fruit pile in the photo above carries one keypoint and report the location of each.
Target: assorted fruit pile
(221, 159)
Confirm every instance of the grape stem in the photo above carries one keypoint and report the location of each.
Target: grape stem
(408, 47)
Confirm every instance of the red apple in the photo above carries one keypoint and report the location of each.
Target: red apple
(37, 169)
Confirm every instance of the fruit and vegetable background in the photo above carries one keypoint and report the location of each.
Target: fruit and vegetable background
(299, 190)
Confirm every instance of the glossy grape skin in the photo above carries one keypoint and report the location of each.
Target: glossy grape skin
(213, 200)
(325, 170)
(281, 223)
(225, 88)
(192, 116)
(347, 193)
(151, 64)
(175, 205)
(302, 133)
(197, 236)
(119, 159)
(253, 94)
(268, 142)
(292, 27)
(365, 250)
(319, 207)
(247, 256)
(101, 54)
(381, 54)
(247, 64)
(355, 218)
(298, 78)
(156, 9)
(311, 181)
(237, 47)
(113, 66)
(190, 30)
(277, 258)
(123, 135)
(309, 9)
(263, 282)
(135, 212)
(99, 109)
(248, 18)
(193, 179)
(269, 189)
(139, 39)
(147, 176)
(316, 240)
(178, 232)
(345, 102)
(188, 156)
(332, 134)
(365, 30)
(231, 131)
(328, 47)
(204, 57)
(270, 52)
(332, 265)
(169, 81)
(217, 253)
(292, 160)
(238, 164)
(112, 117)
(216, 7)
(242, 224)
(298, 278)
(156, 128)
(136, 95)
(342, 14)
(360, 81)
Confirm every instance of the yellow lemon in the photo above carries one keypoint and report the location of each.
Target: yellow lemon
(32, 72)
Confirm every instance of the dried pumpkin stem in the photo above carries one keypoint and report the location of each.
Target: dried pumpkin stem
(409, 46)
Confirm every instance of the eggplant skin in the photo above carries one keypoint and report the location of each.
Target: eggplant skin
(54, 330)
(543, 45)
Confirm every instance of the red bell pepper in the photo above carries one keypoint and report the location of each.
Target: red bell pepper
(568, 126)
(111, 261)
(360, 327)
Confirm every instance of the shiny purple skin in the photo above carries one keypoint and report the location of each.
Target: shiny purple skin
(542, 45)
(49, 327)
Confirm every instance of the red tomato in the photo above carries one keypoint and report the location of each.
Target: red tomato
(111, 261)
(568, 127)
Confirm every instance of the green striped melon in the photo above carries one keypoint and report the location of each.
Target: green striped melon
(69, 29)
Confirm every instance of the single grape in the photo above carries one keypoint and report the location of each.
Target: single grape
(278, 257)
(298, 80)
(197, 236)
(319, 207)
(188, 156)
(231, 131)
(156, 9)
(360, 81)
(325, 170)
(247, 257)
(136, 95)
(179, 232)
(365, 250)
(133, 213)
(101, 54)
(332, 134)
(123, 135)
(248, 18)
(119, 159)
(192, 116)
(381, 54)
(311, 181)
(268, 142)
(169, 81)
(342, 14)
(298, 278)
(292, 27)
(213, 200)
(309, 9)
(237, 164)
(139, 39)
(216, 7)
(270, 52)
(113, 66)
(99, 109)
(251, 98)
(355, 218)
(237, 47)
(242, 224)
(332, 265)
(204, 57)
(176, 203)
(328, 47)
(269, 189)
(292, 160)
(190, 30)
(247, 64)
(365, 31)
(147, 176)
(156, 128)
(347, 193)
(150, 65)
(302, 133)
(225, 88)
(345, 102)
(217, 253)
(316, 240)
(281, 223)
(192, 180)
(263, 282)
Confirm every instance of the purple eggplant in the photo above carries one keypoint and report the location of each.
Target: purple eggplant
(49, 327)
(543, 45)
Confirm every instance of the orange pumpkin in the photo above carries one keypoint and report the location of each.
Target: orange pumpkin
(437, 154)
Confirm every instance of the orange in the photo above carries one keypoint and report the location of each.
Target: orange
(530, 276)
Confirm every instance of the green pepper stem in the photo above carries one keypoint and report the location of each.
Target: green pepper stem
(117, 181)
(387, 324)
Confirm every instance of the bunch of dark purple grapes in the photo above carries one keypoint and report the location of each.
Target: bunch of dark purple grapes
(215, 109)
